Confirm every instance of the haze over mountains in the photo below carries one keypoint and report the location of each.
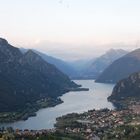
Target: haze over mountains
(121, 68)
(63, 66)
(86, 68)
(101, 63)
(25, 78)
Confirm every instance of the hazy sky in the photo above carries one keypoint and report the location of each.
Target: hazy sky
(71, 29)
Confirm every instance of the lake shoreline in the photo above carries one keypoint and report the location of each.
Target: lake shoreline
(9, 117)
(93, 96)
(24, 114)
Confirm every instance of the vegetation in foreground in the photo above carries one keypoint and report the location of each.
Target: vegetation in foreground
(10, 134)
(29, 110)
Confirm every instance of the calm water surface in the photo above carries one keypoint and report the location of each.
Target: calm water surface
(81, 101)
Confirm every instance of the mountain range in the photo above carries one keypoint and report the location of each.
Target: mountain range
(99, 64)
(26, 78)
(74, 69)
(121, 68)
(62, 65)
(83, 69)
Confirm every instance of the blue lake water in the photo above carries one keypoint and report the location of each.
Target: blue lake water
(78, 102)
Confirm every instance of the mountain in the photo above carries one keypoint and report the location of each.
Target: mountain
(121, 68)
(60, 64)
(26, 78)
(63, 66)
(80, 67)
(128, 88)
(102, 62)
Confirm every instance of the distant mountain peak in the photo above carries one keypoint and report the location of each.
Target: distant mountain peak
(32, 56)
(111, 50)
(30, 52)
(3, 42)
(121, 68)
(115, 52)
(102, 62)
(135, 53)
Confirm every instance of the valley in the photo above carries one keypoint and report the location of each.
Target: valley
(70, 70)
(39, 98)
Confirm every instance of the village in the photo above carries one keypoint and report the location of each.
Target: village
(94, 124)
(91, 125)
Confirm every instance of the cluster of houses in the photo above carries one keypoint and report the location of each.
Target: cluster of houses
(92, 124)
(97, 122)
(21, 134)
(33, 133)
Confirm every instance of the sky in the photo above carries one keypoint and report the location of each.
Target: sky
(71, 29)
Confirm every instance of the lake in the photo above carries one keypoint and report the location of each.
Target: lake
(77, 102)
